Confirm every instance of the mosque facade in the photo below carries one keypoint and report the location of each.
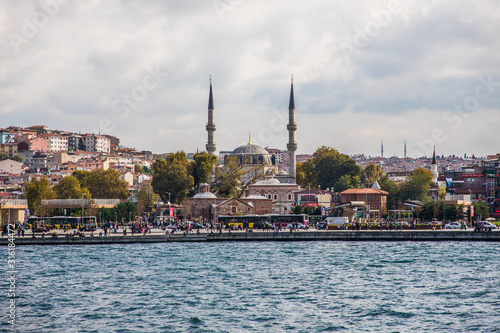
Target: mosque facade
(255, 160)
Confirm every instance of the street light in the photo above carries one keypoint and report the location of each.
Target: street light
(83, 209)
(169, 217)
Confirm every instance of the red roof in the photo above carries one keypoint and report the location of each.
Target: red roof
(364, 191)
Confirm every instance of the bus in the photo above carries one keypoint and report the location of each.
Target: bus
(284, 220)
(258, 221)
(59, 222)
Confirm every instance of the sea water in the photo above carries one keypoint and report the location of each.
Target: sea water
(258, 287)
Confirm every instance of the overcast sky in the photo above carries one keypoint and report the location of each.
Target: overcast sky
(427, 72)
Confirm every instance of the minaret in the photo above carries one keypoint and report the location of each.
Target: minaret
(434, 167)
(382, 149)
(211, 147)
(405, 149)
(292, 127)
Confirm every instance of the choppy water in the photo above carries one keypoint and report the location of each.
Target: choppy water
(259, 287)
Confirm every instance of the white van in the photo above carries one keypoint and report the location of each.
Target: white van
(336, 220)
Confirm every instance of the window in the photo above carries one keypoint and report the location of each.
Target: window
(275, 197)
(289, 198)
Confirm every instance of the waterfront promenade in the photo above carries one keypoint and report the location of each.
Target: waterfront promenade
(158, 235)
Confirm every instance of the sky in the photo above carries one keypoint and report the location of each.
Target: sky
(425, 72)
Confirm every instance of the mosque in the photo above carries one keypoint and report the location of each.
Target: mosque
(270, 192)
(254, 158)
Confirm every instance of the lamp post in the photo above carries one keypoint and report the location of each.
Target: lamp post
(169, 217)
(83, 209)
(470, 204)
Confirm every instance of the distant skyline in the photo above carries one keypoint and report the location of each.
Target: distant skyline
(423, 72)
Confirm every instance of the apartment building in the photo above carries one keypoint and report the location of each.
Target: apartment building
(56, 142)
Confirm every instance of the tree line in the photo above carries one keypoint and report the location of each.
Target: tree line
(96, 184)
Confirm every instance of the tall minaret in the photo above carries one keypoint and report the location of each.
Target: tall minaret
(211, 147)
(292, 127)
(434, 167)
(382, 149)
(405, 149)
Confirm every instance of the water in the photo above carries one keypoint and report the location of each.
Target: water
(259, 287)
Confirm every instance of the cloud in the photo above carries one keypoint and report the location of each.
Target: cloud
(70, 69)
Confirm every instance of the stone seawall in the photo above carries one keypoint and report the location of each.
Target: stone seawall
(445, 235)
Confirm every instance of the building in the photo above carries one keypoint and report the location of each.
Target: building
(8, 149)
(206, 206)
(256, 161)
(11, 166)
(96, 143)
(313, 197)
(374, 200)
(281, 194)
(56, 142)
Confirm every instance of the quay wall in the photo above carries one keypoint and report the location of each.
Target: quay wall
(445, 235)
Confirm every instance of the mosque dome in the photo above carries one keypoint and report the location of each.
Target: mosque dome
(250, 149)
(205, 195)
(271, 181)
(255, 196)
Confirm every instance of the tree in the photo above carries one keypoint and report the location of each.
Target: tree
(329, 169)
(138, 169)
(106, 184)
(417, 185)
(81, 176)
(480, 209)
(298, 209)
(124, 211)
(36, 190)
(393, 189)
(171, 178)
(203, 165)
(372, 173)
(69, 188)
(227, 179)
(146, 198)
(18, 158)
(304, 173)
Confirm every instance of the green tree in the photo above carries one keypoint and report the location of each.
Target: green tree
(69, 188)
(304, 174)
(372, 173)
(203, 165)
(106, 184)
(392, 188)
(417, 185)
(298, 209)
(227, 179)
(124, 211)
(139, 169)
(81, 176)
(329, 169)
(18, 158)
(172, 178)
(35, 191)
(146, 198)
(480, 209)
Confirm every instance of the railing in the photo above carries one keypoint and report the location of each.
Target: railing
(13, 202)
(80, 202)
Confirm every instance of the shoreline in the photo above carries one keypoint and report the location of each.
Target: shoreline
(242, 236)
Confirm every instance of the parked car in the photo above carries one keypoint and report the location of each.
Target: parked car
(488, 225)
(321, 225)
(452, 225)
(296, 226)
